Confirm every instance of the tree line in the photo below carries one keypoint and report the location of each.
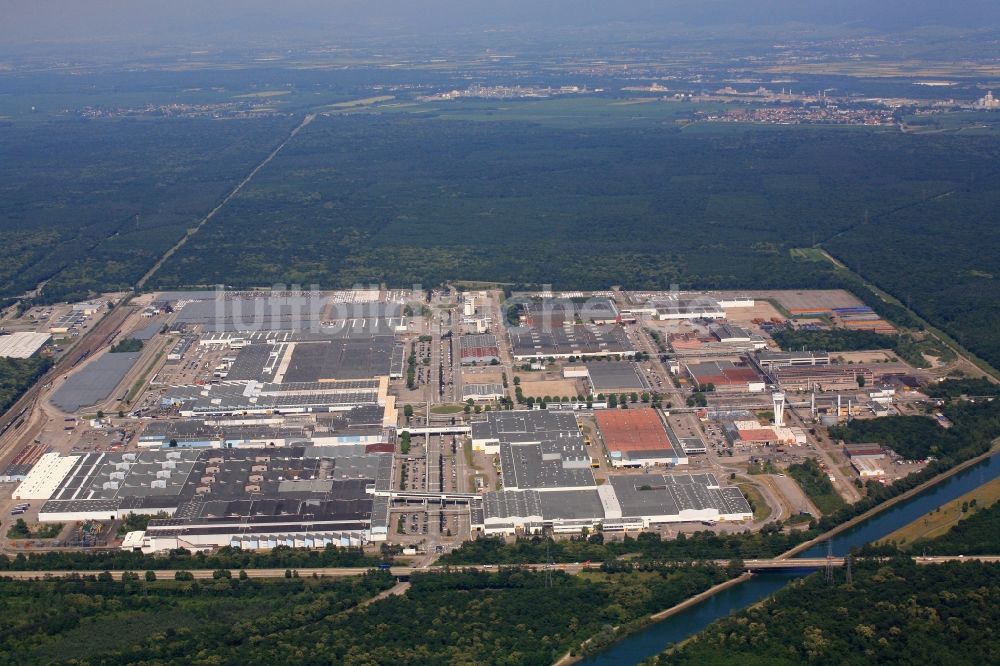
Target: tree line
(889, 612)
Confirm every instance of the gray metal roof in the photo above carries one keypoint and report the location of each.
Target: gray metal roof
(557, 310)
(771, 356)
(470, 390)
(289, 312)
(106, 476)
(472, 341)
(148, 331)
(569, 340)
(509, 504)
(566, 505)
(669, 494)
(550, 465)
(526, 426)
(345, 358)
(616, 376)
(94, 382)
(230, 397)
(214, 486)
(257, 362)
(571, 505)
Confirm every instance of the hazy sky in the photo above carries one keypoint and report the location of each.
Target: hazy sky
(165, 21)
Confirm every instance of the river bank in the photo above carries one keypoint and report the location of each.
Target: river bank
(889, 503)
(942, 519)
(875, 524)
(570, 658)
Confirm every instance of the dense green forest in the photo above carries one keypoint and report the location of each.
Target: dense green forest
(976, 534)
(110, 621)
(816, 484)
(506, 617)
(954, 388)
(93, 204)
(912, 437)
(895, 612)
(181, 559)
(407, 199)
(835, 340)
(768, 542)
(942, 255)
(17, 375)
(413, 198)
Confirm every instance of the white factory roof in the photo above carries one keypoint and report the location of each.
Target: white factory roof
(22, 345)
(44, 478)
(133, 540)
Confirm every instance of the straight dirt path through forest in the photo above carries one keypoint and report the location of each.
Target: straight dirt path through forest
(236, 190)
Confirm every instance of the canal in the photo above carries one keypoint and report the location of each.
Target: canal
(655, 638)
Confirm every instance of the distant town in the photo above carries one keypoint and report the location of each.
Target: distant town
(761, 105)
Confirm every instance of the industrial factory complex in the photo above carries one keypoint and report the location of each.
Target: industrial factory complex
(633, 502)
(221, 497)
(548, 481)
(357, 417)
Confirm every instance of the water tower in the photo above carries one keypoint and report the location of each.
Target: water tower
(779, 409)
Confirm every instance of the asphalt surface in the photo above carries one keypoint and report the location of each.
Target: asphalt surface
(576, 568)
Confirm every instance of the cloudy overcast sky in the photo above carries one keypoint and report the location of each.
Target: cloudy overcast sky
(191, 20)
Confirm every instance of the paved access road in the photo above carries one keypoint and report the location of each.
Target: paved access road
(576, 568)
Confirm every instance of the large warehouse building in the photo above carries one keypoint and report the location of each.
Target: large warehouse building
(548, 484)
(251, 498)
(556, 312)
(569, 341)
(539, 450)
(726, 376)
(616, 377)
(312, 360)
(689, 307)
(256, 398)
(769, 360)
(523, 426)
(295, 371)
(822, 377)
(22, 345)
(228, 312)
(639, 438)
(359, 426)
(478, 349)
(631, 502)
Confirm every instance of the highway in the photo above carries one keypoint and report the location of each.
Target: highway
(575, 568)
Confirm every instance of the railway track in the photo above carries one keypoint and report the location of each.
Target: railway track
(12, 433)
